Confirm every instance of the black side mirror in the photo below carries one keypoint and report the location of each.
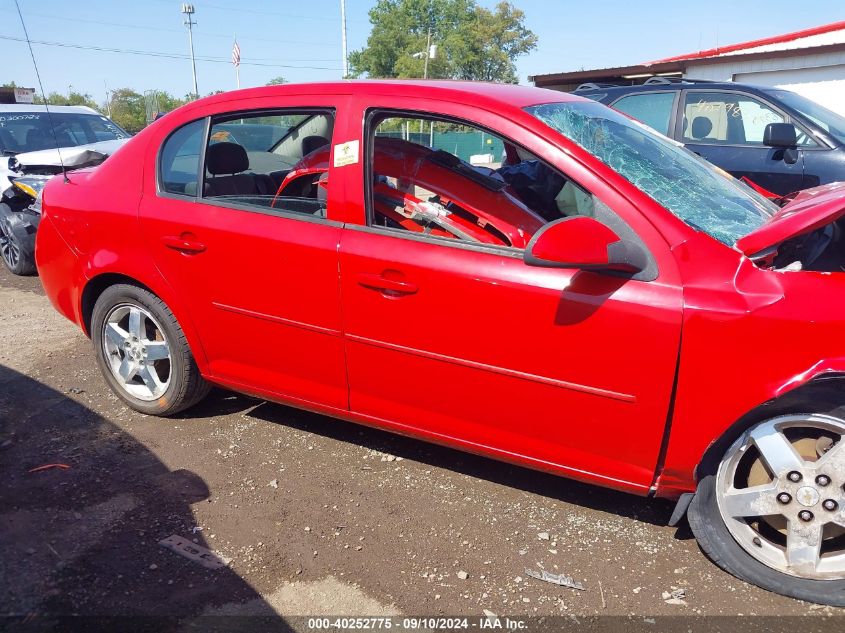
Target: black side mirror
(780, 135)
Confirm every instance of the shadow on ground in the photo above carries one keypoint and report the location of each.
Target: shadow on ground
(653, 511)
(84, 540)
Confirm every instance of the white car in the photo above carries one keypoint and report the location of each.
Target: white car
(32, 142)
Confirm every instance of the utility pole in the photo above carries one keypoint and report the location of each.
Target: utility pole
(188, 11)
(429, 50)
(343, 38)
(108, 97)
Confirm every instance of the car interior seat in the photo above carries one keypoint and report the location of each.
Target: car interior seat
(701, 127)
(227, 163)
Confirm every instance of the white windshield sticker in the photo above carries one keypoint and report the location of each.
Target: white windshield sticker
(346, 153)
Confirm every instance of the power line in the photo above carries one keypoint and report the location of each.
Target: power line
(123, 51)
(166, 30)
(217, 7)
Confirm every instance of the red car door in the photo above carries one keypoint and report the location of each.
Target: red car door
(566, 370)
(260, 276)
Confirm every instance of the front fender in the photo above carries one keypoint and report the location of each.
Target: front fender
(750, 350)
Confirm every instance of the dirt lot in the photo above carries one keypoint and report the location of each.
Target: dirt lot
(316, 516)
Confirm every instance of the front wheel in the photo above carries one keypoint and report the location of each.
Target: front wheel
(773, 512)
(16, 243)
(143, 353)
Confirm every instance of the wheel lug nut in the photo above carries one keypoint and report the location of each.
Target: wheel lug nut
(805, 515)
(794, 476)
(822, 480)
(829, 504)
(784, 498)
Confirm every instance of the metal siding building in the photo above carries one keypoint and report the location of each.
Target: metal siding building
(810, 62)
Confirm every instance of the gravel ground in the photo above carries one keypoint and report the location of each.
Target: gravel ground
(315, 515)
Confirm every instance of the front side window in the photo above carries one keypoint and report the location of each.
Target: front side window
(726, 118)
(447, 180)
(701, 195)
(277, 160)
(654, 109)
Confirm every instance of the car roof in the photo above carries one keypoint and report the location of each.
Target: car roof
(481, 93)
(672, 87)
(32, 107)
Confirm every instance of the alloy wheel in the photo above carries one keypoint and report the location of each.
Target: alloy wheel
(9, 249)
(137, 351)
(780, 492)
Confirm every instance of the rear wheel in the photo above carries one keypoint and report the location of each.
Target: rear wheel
(143, 353)
(773, 512)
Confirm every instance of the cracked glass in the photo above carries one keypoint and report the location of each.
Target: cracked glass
(697, 192)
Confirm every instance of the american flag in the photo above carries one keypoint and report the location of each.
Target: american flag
(236, 54)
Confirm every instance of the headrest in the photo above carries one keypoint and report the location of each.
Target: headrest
(701, 127)
(311, 143)
(226, 158)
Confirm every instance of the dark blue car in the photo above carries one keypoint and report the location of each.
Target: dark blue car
(777, 139)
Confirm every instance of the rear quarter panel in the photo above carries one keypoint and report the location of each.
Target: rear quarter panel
(96, 214)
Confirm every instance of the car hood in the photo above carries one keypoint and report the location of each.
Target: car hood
(811, 209)
(71, 156)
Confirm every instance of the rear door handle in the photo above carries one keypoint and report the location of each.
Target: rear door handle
(390, 287)
(184, 243)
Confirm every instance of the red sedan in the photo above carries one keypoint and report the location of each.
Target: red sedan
(511, 271)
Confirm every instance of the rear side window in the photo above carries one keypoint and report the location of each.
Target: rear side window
(654, 109)
(180, 159)
(270, 161)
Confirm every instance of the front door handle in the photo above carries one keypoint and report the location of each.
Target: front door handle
(184, 243)
(389, 287)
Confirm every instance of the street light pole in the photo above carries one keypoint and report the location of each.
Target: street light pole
(343, 38)
(188, 10)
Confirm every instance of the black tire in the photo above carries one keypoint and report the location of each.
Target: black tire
(187, 386)
(17, 244)
(716, 541)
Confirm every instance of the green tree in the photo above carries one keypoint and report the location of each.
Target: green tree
(473, 42)
(486, 48)
(128, 109)
(167, 102)
(276, 81)
(72, 98)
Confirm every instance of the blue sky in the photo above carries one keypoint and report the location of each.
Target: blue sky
(301, 40)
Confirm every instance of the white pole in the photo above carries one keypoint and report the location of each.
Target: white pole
(188, 10)
(193, 62)
(238, 65)
(343, 38)
(427, 54)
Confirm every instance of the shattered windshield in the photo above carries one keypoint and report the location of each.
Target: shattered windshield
(698, 193)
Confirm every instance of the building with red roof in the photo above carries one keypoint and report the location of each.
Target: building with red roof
(810, 62)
